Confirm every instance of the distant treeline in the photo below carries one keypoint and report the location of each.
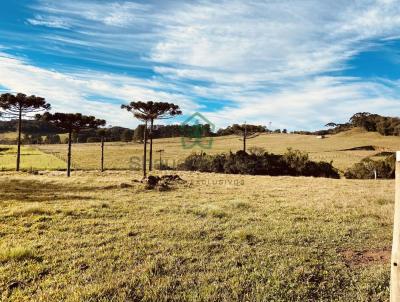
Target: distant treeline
(166, 131)
(29, 126)
(384, 125)
(37, 132)
(235, 128)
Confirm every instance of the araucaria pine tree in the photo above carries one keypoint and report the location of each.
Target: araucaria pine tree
(161, 110)
(71, 123)
(148, 112)
(21, 106)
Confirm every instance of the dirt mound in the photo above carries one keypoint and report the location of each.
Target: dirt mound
(163, 183)
(366, 257)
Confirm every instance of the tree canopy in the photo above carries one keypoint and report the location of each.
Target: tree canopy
(146, 111)
(385, 125)
(71, 122)
(12, 105)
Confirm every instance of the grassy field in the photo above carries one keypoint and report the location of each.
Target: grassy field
(124, 156)
(31, 159)
(12, 136)
(103, 237)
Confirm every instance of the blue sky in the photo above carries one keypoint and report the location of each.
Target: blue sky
(298, 64)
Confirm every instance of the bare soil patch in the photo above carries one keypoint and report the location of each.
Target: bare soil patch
(366, 257)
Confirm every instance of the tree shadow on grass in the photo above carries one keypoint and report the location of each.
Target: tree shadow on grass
(35, 191)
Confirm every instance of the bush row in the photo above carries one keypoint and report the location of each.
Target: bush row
(259, 162)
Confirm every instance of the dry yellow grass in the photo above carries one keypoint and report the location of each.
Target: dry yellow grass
(103, 237)
(31, 159)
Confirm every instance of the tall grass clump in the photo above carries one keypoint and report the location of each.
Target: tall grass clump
(17, 254)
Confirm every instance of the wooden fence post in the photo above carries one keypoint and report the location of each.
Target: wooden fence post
(395, 263)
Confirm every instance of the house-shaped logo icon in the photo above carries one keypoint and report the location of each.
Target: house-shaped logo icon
(197, 131)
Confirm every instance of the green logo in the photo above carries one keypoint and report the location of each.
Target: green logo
(197, 131)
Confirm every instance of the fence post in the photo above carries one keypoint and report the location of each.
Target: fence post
(395, 263)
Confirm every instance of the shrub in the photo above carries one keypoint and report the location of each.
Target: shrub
(163, 166)
(257, 151)
(259, 163)
(296, 161)
(320, 169)
(217, 163)
(197, 162)
(240, 163)
(367, 168)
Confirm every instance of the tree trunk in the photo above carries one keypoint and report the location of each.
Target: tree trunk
(102, 154)
(145, 150)
(151, 145)
(244, 138)
(69, 154)
(19, 139)
(395, 262)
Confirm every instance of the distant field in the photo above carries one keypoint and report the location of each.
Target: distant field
(31, 159)
(128, 155)
(12, 136)
(102, 237)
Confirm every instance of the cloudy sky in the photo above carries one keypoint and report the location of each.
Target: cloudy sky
(296, 63)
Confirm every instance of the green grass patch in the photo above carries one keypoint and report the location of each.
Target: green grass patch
(16, 254)
(32, 159)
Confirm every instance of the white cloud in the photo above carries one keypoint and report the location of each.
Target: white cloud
(75, 92)
(118, 14)
(268, 41)
(312, 104)
(262, 60)
(53, 22)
